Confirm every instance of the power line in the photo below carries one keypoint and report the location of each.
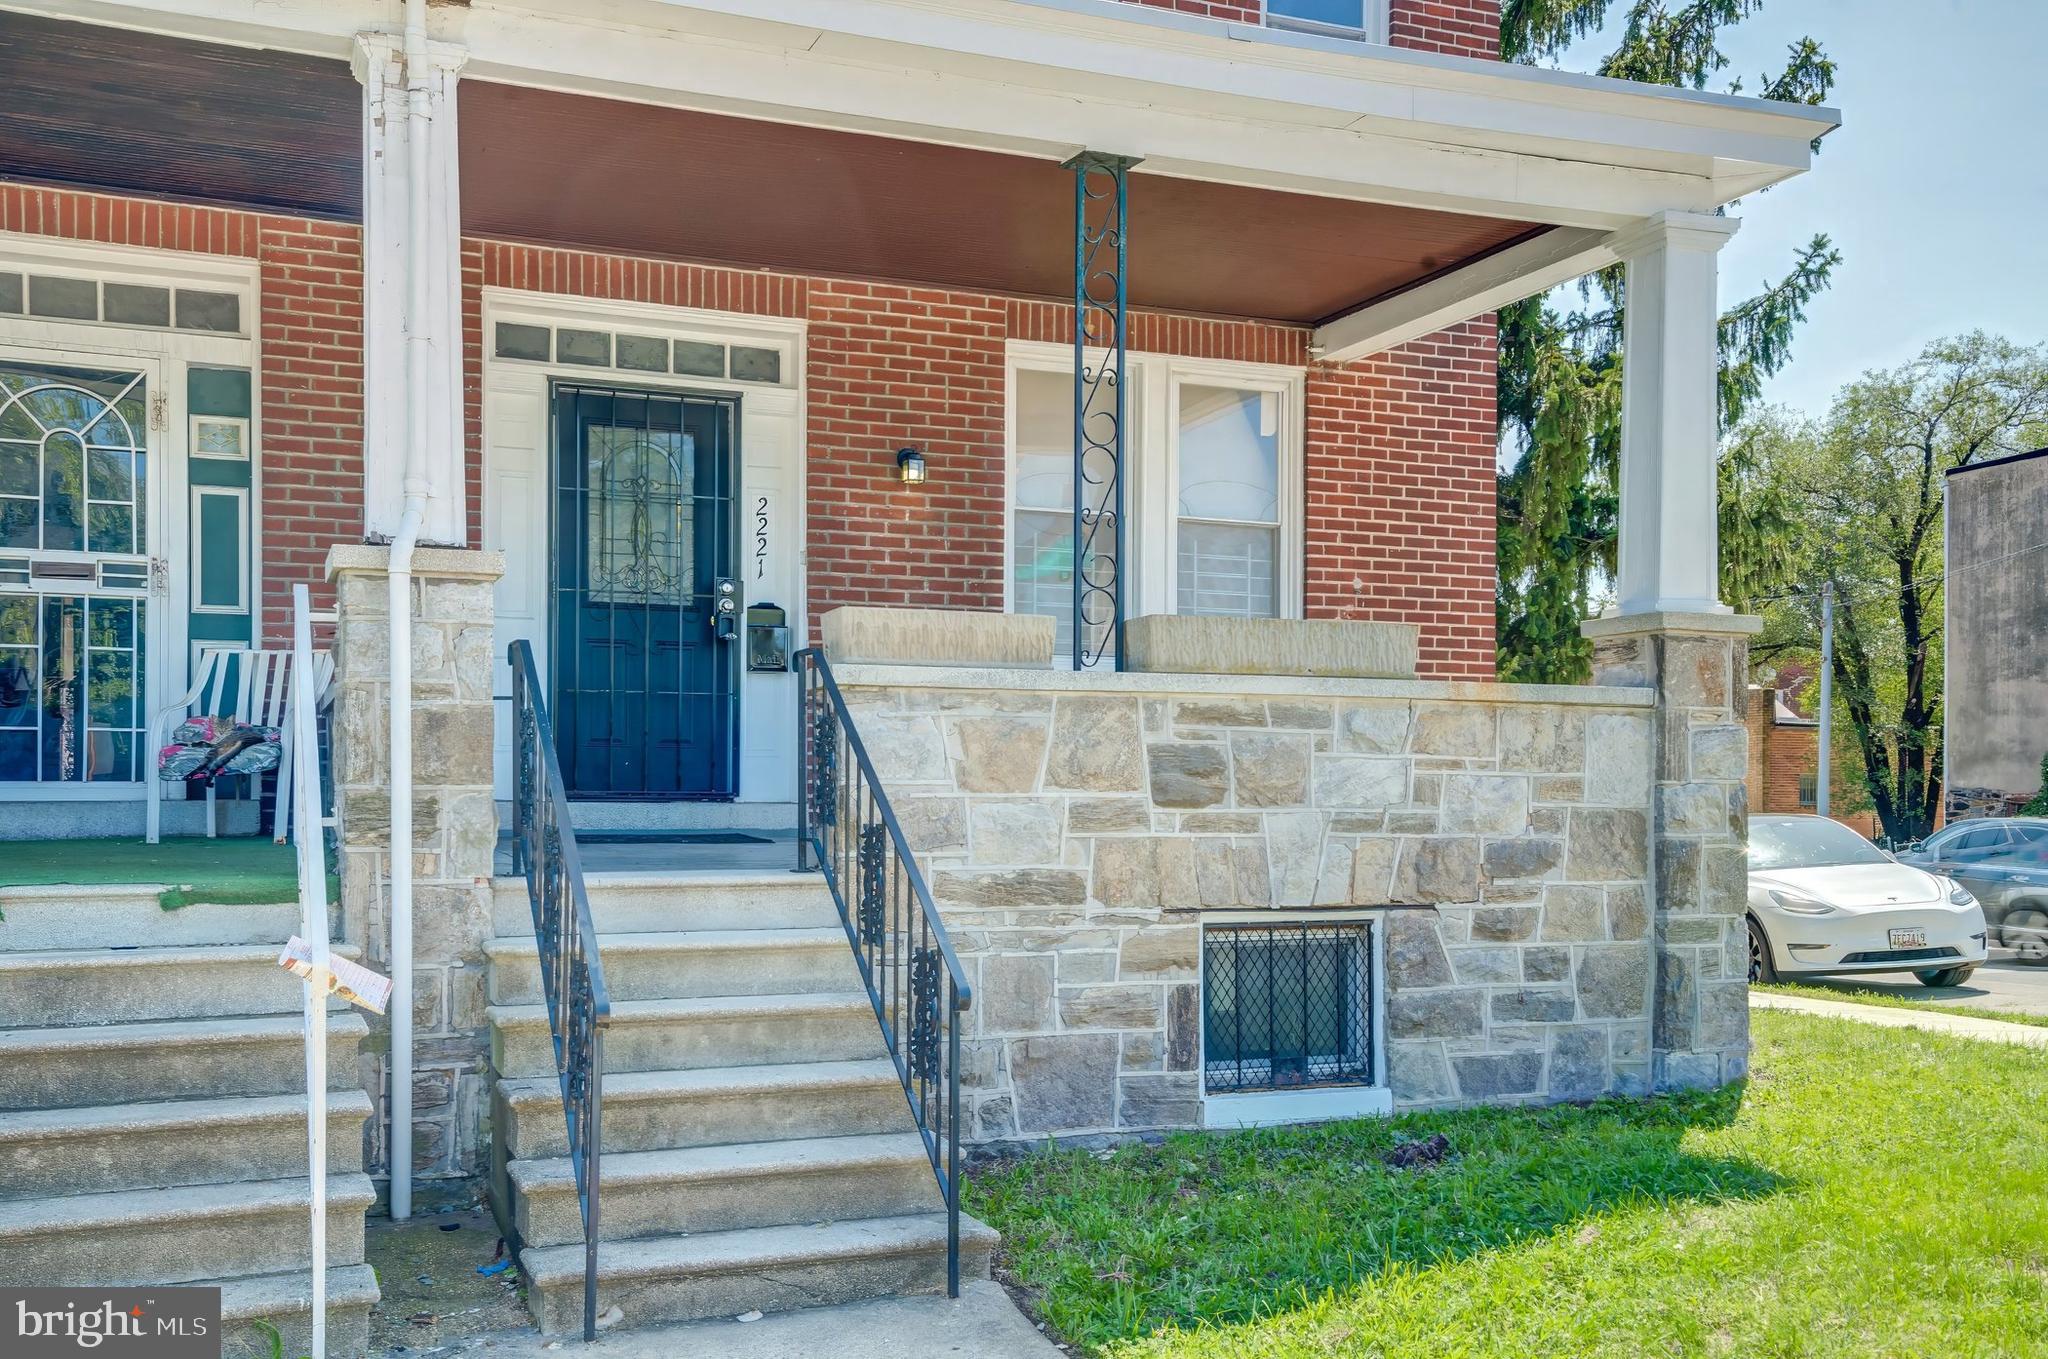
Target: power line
(1879, 592)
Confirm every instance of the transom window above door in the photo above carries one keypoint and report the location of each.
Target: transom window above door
(1212, 487)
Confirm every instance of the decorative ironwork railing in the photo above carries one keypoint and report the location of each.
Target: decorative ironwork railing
(1100, 540)
(571, 971)
(913, 978)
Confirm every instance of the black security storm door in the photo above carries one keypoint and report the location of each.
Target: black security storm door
(645, 699)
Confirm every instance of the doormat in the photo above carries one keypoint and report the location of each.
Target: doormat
(657, 837)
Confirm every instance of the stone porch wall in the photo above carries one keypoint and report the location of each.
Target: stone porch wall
(1075, 829)
(455, 834)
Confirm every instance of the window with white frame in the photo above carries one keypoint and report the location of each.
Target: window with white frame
(1364, 19)
(1212, 490)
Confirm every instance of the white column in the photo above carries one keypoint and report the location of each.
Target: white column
(387, 244)
(1669, 532)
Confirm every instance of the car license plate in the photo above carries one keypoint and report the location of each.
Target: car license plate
(1909, 938)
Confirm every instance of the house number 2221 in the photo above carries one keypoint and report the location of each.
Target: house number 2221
(760, 537)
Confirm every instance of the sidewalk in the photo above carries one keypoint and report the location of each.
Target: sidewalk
(1933, 1021)
(983, 1324)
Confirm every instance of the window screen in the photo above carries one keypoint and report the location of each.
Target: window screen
(1229, 502)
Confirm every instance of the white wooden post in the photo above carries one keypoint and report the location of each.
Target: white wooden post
(388, 245)
(1670, 436)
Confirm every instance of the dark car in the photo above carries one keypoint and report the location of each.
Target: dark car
(2004, 863)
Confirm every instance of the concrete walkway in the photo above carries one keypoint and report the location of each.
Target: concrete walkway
(982, 1324)
(1932, 1021)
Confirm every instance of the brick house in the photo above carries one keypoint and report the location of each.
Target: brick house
(1784, 754)
(1153, 568)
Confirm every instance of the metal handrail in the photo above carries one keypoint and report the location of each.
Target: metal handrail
(309, 839)
(571, 968)
(898, 939)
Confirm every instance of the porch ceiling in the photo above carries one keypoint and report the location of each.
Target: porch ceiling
(598, 174)
(110, 109)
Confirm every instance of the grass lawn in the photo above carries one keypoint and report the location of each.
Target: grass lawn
(1870, 1192)
(235, 871)
(1858, 995)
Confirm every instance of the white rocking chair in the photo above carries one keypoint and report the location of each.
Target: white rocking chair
(245, 685)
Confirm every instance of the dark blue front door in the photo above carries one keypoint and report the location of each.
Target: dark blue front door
(645, 698)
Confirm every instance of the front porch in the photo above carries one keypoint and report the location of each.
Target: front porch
(644, 357)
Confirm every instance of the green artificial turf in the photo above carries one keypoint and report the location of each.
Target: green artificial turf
(1868, 1192)
(235, 871)
(1847, 991)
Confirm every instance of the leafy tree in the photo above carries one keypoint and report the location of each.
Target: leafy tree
(2038, 804)
(1560, 369)
(1863, 490)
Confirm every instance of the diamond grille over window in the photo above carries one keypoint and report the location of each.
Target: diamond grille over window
(1287, 1006)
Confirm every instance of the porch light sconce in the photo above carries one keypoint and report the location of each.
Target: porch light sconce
(910, 466)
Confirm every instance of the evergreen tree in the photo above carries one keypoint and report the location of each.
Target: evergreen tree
(1560, 369)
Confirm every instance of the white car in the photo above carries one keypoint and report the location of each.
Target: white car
(1822, 899)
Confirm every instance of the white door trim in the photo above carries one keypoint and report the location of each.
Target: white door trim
(516, 453)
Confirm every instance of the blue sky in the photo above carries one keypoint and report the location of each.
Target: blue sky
(1935, 187)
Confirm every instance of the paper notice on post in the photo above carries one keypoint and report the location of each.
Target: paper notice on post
(351, 981)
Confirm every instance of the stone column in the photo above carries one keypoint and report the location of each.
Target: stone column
(1699, 665)
(455, 830)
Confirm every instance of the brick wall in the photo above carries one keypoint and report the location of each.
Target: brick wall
(310, 338)
(1242, 11)
(1466, 28)
(1400, 447)
(1400, 489)
(889, 366)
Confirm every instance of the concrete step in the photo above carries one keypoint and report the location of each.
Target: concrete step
(178, 1142)
(686, 1035)
(680, 964)
(641, 903)
(762, 817)
(765, 1269)
(652, 1110)
(119, 985)
(53, 1068)
(193, 1232)
(721, 1189)
(286, 1302)
(128, 914)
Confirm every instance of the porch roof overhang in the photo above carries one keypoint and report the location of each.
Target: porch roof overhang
(1214, 104)
(597, 174)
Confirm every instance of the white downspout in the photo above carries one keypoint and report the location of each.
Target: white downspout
(400, 607)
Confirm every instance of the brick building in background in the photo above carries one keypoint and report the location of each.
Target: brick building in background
(1784, 755)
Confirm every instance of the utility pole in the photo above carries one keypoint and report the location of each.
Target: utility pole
(1822, 785)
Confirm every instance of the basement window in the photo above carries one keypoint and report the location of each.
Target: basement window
(1288, 1006)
